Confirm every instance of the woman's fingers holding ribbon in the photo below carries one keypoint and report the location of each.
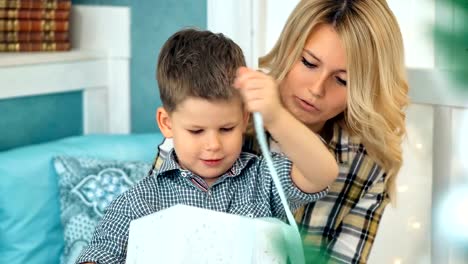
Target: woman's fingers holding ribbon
(259, 92)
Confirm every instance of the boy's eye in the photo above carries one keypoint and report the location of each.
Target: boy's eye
(308, 64)
(341, 81)
(227, 129)
(196, 131)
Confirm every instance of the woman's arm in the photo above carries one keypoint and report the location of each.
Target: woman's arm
(351, 218)
(354, 240)
(314, 166)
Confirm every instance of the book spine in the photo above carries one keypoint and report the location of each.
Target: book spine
(17, 47)
(51, 36)
(36, 4)
(34, 14)
(33, 25)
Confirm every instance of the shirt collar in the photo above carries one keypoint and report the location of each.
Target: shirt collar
(171, 163)
(241, 163)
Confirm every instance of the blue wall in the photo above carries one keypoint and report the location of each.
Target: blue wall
(37, 119)
(30, 120)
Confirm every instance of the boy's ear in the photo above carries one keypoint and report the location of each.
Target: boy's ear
(164, 122)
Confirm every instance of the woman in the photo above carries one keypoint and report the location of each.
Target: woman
(340, 70)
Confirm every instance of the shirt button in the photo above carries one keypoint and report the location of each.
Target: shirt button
(184, 174)
(251, 215)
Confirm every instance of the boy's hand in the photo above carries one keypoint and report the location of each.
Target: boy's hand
(260, 94)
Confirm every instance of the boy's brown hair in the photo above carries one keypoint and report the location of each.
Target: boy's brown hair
(197, 63)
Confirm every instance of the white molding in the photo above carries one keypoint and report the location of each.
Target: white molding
(119, 96)
(46, 78)
(258, 31)
(436, 87)
(107, 29)
(14, 59)
(442, 170)
(98, 65)
(95, 111)
(233, 18)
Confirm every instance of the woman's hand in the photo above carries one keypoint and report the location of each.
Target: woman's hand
(260, 94)
(300, 144)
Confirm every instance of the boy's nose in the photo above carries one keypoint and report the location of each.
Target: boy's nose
(213, 143)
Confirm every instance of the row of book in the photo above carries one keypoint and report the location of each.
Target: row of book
(36, 4)
(34, 25)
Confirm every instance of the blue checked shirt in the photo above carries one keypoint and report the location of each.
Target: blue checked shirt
(246, 189)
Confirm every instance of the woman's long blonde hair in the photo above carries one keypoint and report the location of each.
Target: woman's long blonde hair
(377, 85)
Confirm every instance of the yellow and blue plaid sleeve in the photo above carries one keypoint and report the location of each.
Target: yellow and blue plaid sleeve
(353, 240)
(341, 228)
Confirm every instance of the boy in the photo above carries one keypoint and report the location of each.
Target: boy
(206, 118)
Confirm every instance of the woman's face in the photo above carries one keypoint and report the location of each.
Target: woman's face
(314, 90)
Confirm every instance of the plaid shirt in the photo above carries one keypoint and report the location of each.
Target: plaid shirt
(246, 189)
(341, 227)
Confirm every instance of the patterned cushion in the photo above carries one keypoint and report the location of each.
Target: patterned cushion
(87, 186)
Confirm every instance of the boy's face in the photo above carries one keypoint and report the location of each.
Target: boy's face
(207, 134)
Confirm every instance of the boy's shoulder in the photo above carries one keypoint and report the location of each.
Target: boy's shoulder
(146, 186)
(132, 202)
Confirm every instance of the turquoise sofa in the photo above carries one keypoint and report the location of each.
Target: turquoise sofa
(30, 226)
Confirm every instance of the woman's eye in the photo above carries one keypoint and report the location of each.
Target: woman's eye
(227, 129)
(341, 81)
(196, 131)
(308, 64)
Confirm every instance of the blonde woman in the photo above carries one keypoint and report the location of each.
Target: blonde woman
(340, 70)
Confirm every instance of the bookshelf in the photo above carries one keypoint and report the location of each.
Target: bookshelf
(98, 65)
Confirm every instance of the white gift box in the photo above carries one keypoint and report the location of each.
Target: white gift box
(186, 234)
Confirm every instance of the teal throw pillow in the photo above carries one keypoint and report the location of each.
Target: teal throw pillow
(87, 186)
